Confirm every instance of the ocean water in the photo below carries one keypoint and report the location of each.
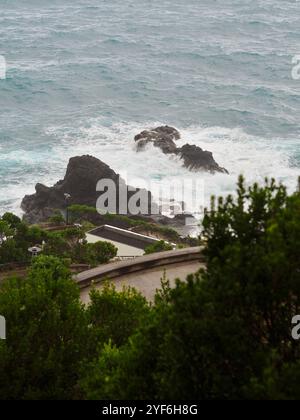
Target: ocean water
(85, 76)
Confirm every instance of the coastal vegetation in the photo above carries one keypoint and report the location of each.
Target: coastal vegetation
(159, 246)
(68, 244)
(226, 332)
(80, 213)
(222, 333)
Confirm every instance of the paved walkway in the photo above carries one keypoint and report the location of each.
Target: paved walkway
(143, 273)
(148, 281)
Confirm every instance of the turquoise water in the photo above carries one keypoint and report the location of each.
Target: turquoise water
(86, 76)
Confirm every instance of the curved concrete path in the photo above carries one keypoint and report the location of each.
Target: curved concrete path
(143, 273)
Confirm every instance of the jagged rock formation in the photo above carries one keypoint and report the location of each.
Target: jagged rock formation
(162, 137)
(193, 157)
(196, 159)
(81, 179)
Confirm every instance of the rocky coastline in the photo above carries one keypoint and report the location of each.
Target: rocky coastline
(193, 157)
(84, 172)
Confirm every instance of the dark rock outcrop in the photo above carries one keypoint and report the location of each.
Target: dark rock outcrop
(80, 182)
(194, 158)
(162, 137)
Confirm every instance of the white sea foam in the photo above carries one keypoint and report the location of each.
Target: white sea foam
(172, 62)
(239, 152)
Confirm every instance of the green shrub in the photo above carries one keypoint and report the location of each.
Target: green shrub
(158, 246)
(46, 334)
(57, 219)
(226, 332)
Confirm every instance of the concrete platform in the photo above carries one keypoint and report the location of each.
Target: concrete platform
(143, 273)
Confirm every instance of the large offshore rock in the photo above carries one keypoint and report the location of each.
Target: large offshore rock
(162, 137)
(194, 158)
(80, 182)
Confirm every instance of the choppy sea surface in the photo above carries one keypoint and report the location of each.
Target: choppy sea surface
(85, 76)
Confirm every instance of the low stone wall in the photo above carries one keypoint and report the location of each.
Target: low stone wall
(119, 269)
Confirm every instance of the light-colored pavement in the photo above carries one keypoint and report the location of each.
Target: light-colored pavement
(148, 281)
(143, 273)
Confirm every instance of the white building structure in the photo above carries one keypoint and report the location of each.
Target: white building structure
(129, 244)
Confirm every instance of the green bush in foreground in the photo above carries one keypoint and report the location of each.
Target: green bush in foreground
(225, 333)
(46, 334)
(52, 337)
(71, 244)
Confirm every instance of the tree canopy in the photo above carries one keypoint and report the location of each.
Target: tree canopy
(16, 237)
(225, 333)
(222, 333)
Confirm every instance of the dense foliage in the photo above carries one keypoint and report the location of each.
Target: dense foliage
(70, 244)
(51, 336)
(159, 246)
(225, 333)
(46, 334)
(16, 237)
